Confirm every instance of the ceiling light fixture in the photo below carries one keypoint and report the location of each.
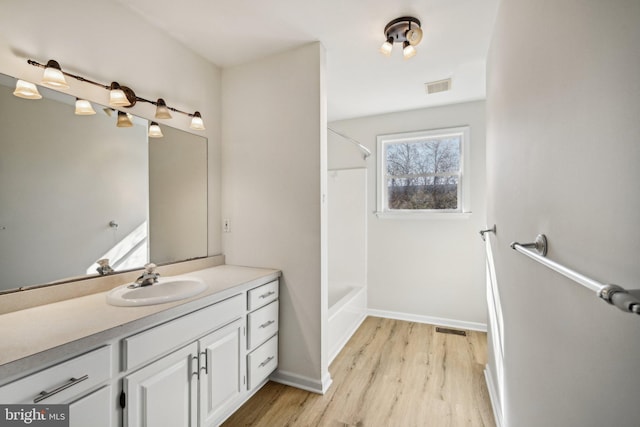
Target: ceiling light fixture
(406, 30)
(119, 96)
(84, 108)
(26, 90)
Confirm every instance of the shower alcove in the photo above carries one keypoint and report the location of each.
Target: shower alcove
(347, 260)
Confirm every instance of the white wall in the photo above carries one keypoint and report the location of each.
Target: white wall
(104, 41)
(430, 269)
(274, 175)
(347, 230)
(562, 158)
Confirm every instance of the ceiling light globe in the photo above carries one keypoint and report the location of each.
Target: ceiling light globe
(387, 47)
(53, 76)
(196, 122)
(155, 131)
(408, 51)
(162, 112)
(84, 108)
(117, 97)
(124, 121)
(26, 90)
(414, 36)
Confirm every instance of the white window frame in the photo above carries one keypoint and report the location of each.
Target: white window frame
(464, 183)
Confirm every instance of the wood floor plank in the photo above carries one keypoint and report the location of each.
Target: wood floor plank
(391, 373)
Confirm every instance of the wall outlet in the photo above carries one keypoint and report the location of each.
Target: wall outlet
(226, 226)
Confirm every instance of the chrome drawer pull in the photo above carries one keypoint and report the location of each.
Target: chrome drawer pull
(268, 294)
(194, 361)
(206, 362)
(73, 381)
(265, 324)
(266, 361)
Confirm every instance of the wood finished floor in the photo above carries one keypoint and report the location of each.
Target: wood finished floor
(391, 373)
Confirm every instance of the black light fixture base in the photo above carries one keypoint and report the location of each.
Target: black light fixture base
(397, 29)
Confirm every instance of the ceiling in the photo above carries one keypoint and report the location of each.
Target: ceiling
(360, 80)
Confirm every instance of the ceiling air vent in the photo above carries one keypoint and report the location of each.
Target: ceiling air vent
(437, 86)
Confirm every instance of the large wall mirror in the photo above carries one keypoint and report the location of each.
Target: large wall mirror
(75, 189)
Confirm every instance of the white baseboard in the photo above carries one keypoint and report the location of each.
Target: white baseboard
(439, 321)
(493, 396)
(301, 382)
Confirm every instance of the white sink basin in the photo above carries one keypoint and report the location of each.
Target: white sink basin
(166, 290)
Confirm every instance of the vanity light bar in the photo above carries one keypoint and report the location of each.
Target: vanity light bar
(129, 94)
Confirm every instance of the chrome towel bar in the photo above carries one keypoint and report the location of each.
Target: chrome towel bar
(488, 230)
(625, 300)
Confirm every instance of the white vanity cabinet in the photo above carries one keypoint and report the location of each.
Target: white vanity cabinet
(195, 385)
(164, 392)
(262, 336)
(73, 381)
(186, 365)
(95, 409)
(223, 375)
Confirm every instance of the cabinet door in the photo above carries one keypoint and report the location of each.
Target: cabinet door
(95, 410)
(164, 393)
(223, 372)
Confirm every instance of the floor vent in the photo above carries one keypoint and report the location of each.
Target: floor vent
(438, 86)
(451, 331)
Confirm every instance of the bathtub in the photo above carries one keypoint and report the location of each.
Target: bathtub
(347, 310)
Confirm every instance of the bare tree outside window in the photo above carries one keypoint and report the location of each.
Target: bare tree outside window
(423, 174)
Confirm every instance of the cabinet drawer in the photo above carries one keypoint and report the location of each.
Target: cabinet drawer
(152, 343)
(257, 297)
(60, 383)
(94, 410)
(263, 323)
(262, 361)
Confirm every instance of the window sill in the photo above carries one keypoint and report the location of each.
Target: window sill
(424, 215)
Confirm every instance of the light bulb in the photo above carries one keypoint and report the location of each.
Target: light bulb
(196, 122)
(53, 76)
(155, 131)
(26, 90)
(84, 108)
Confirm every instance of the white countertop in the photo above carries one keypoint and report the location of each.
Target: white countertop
(35, 335)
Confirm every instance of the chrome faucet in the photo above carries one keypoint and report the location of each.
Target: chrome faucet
(149, 277)
(103, 267)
